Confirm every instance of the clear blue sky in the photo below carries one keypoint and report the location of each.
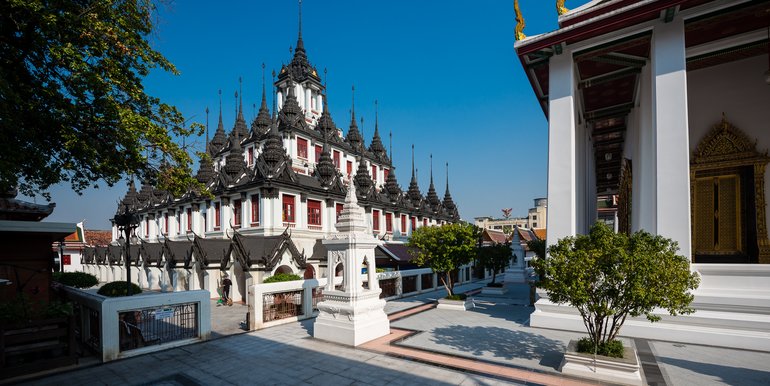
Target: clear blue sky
(444, 72)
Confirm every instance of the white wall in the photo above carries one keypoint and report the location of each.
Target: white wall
(737, 89)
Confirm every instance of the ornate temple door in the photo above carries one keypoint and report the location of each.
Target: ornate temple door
(718, 223)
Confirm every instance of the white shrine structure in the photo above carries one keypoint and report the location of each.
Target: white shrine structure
(661, 107)
(516, 271)
(353, 314)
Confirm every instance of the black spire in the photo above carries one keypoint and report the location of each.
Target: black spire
(272, 151)
(325, 123)
(414, 189)
(362, 179)
(354, 136)
(205, 171)
(299, 67)
(240, 129)
(261, 124)
(432, 197)
(377, 147)
(325, 170)
(291, 116)
(448, 202)
(391, 183)
(234, 162)
(220, 137)
(130, 198)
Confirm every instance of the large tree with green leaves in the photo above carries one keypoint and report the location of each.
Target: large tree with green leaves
(444, 249)
(609, 276)
(72, 105)
(495, 258)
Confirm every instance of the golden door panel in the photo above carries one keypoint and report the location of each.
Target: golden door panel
(717, 215)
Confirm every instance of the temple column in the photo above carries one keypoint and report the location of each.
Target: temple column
(279, 99)
(670, 133)
(152, 232)
(561, 148)
(307, 101)
(644, 180)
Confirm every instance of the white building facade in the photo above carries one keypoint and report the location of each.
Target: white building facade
(662, 105)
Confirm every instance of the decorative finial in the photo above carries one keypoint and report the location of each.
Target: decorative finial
(363, 133)
(519, 31)
(325, 75)
(236, 103)
(431, 168)
(300, 19)
(275, 94)
(560, 8)
(207, 124)
(376, 116)
(353, 103)
(447, 176)
(390, 145)
(412, 160)
(220, 106)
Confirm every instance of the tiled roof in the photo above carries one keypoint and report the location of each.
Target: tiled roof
(540, 233)
(397, 251)
(97, 238)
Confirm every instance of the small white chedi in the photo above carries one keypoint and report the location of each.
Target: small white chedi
(354, 314)
(516, 272)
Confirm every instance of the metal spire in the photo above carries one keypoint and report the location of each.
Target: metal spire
(300, 19)
(353, 105)
(220, 107)
(207, 125)
(264, 100)
(412, 161)
(236, 103)
(447, 177)
(240, 87)
(431, 168)
(390, 144)
(275, 95)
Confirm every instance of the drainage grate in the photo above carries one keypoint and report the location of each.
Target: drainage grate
(650, 368)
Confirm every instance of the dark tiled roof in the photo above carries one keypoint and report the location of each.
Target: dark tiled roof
(178, 252)
(265, 250)
(101, 255)
(208, 251)
(115, 252)
(89, 255)
(319, 251)
(399, 252)
(97, 238)
(152, 253)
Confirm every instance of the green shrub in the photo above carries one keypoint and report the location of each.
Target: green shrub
(282, 277)
(117, 289)
(76, 279)
(457, 297)
(21, 310)
(613, 348)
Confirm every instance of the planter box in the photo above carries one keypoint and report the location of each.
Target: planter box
(457, 305)
(498, 291)
(625, 371)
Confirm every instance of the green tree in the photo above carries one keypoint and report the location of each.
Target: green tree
(608, 276)
(444, 249)
(495, 257)
(72, 102)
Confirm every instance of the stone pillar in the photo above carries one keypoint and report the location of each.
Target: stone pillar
(353, 315)
(561, 148)
(670, 133)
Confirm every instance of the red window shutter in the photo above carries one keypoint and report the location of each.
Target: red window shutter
(288, 208)
(237, 212)
(301, 148)
(376, 220)
(374, 173)
(318, 150)
(385, 173)
(251, 156)
(189, 219)
(255, 209)
(217, 216)
(425, 222)
(313, 212)
(165, 222)
(414, 223)
(389, 222)
(338, 208)
(337, 159)
(403, 224)
(350, 168)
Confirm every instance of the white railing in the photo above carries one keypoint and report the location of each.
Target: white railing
(100, 320)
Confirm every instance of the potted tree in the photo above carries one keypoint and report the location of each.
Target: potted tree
(444, 249)
(496, 258)
(607, 277)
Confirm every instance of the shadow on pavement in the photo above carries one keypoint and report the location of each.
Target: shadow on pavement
(724, 374)
(501, 343)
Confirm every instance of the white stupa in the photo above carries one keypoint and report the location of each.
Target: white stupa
(354, 314)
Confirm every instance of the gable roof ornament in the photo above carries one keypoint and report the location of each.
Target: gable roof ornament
(727, 145)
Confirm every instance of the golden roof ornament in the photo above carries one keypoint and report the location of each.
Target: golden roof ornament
(519, 31)
(560, 8)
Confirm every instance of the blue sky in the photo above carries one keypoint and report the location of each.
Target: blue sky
(444, 72)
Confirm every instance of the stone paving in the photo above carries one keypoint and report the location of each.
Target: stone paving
(489, 345)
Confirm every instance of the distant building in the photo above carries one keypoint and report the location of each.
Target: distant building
(536, 219)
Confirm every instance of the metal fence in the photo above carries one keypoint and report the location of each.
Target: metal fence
(157, 325)
(389, 288)
(282, 305)
(409, 284)
(318, 296)
(427, 280)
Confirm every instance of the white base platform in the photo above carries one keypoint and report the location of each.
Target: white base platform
(349, 321)
(732, 310)
(497, 291)
(457, 305)
(624, 371)
(517, 276)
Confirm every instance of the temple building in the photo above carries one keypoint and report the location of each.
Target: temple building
(278, 186)
(660, 108)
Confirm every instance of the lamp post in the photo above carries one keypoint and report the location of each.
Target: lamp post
(127, 222)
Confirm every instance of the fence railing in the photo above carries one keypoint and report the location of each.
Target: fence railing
(132, 325)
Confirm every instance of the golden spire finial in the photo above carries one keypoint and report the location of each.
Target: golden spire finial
(560, 8)
(519, 31)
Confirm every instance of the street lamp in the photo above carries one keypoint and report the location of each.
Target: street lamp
(127, 222)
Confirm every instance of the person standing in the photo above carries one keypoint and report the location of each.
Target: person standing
(226, 283)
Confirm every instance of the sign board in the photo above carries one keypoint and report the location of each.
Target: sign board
(164, 313)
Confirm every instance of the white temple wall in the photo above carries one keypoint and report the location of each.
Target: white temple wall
(738, 90)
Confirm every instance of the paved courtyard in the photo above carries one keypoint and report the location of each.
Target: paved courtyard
(489, 345)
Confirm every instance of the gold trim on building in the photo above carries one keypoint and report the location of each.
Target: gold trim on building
(720, 153)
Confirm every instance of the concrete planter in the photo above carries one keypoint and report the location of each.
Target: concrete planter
(497, 291)
(457, 305)
(625, 371)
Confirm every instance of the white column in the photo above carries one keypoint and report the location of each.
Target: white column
(319, 103)
(561, 148)
(152, 231)
(671, 135)
(307, 100)
(643, 185)
(279, 100)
